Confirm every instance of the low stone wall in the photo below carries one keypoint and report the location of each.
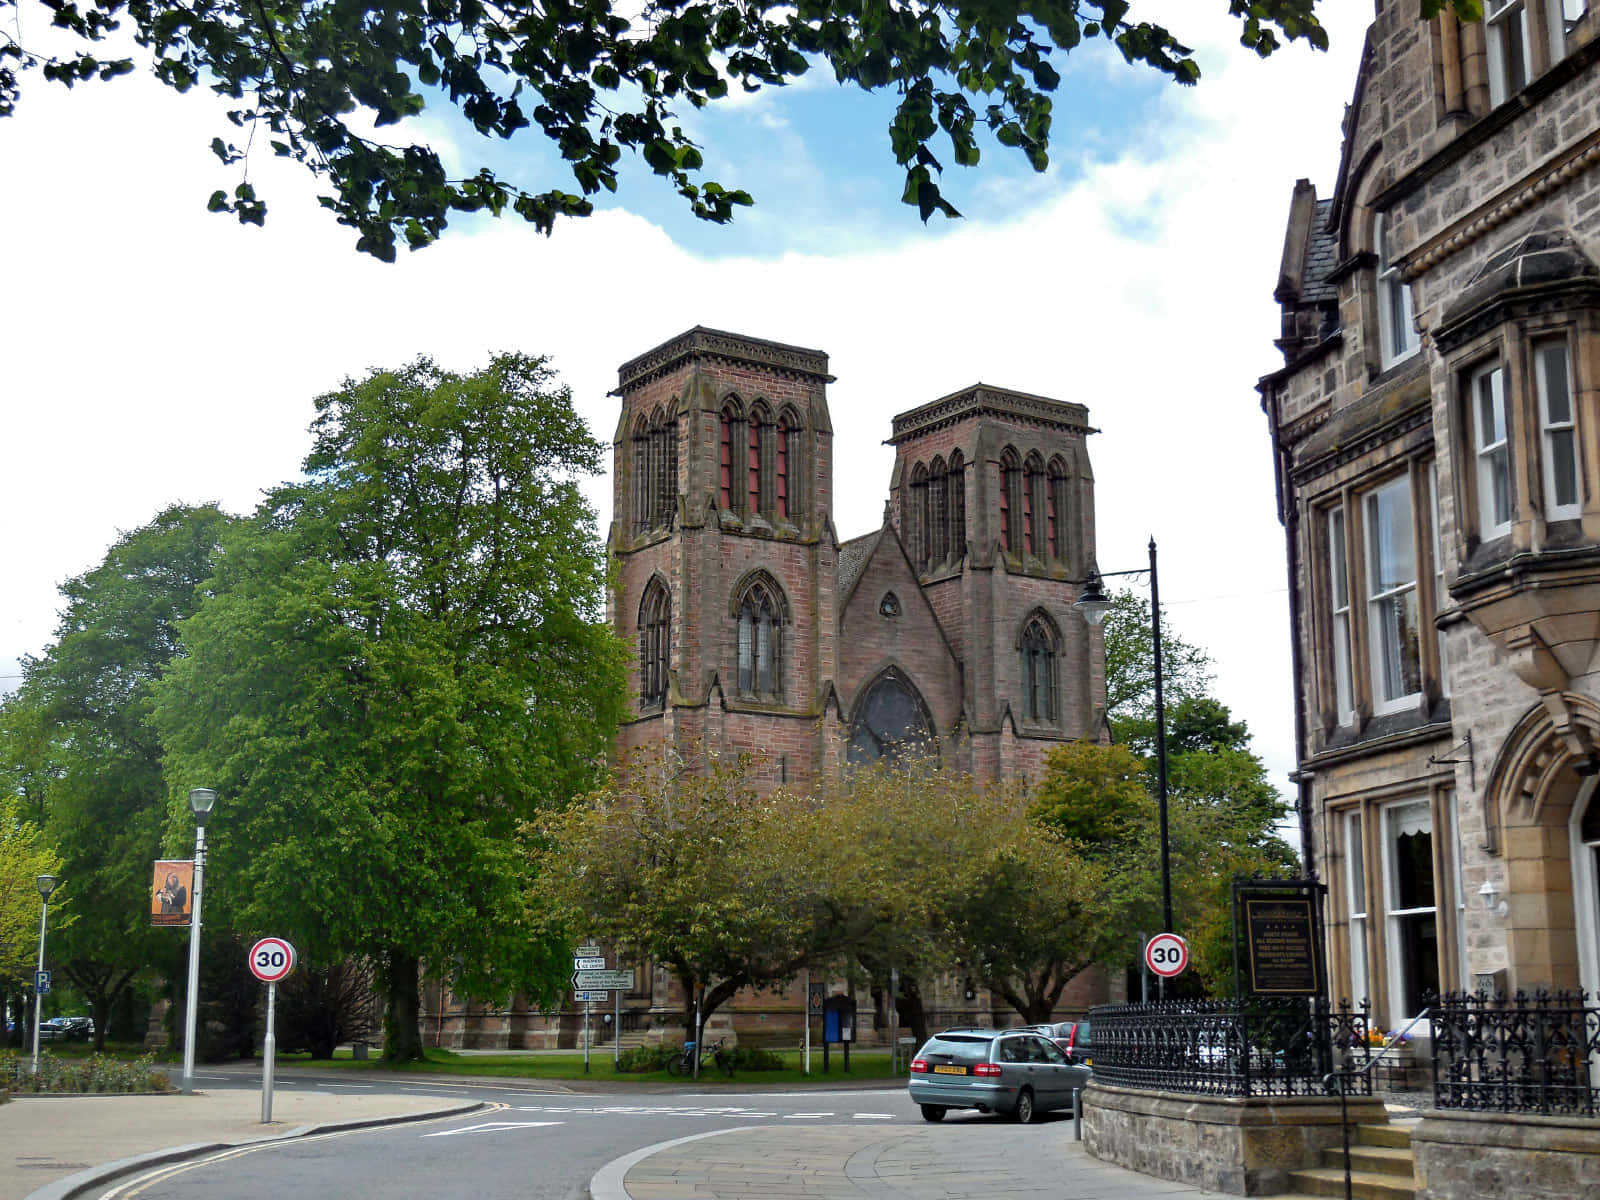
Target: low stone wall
(1461, 1155)
(1245, 1147)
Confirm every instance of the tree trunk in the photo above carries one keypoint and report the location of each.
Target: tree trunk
(911, 1009)
(402, 1027)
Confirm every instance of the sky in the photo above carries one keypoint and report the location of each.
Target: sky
(153, 353)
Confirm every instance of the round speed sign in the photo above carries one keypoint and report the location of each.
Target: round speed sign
(1167, 955)
(271, 960)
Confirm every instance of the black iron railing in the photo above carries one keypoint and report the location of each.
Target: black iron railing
(1519, 1054)
(1255, 1047)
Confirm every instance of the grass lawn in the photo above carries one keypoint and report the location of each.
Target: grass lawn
(868, 1064)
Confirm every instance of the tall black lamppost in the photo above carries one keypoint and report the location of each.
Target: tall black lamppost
(46, 885)
(1094, 605)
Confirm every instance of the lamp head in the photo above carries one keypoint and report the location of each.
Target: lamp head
(47, 884)
(200, 801)
(1093, 603)
(1490, 893)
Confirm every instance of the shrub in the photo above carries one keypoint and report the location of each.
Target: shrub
(640, 1059)
(97, 1073)
(748, 1058)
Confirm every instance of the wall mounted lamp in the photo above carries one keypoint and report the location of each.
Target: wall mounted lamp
(1491, 901)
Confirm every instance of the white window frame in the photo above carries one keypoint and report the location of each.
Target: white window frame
(1586, 889)
(1506, 25)
(1553, 432)
(1355, 887)
(1339, 602)
(1400, 592)
(1439, 592)
(1463, 970)
(1397, 331)
(1393, 915)
(1491, 448)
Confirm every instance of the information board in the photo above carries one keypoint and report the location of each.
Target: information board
(1280, 934)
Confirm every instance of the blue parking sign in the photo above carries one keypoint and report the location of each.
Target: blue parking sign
(41, 983)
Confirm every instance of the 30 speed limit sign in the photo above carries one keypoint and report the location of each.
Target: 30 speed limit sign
(1167, 955)
(271, 960)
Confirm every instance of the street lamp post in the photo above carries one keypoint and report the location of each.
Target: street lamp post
(1094, 605)
(46, 885)
(200, 801)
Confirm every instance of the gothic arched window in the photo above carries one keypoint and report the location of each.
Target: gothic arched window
(1011, 501)
(655, 636)
(760, 620)
(664, 444)
(917, 541)
(938, 514)
(763, 462)
(641, 476)
(1033, 504)
(957, 484)
(732, 455)
(792, 472)
(1038, 649)
(891, 721)
(1059, 513)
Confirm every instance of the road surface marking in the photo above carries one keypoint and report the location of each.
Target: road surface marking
(492, 1127)
(807, 1116)
(874, 1116)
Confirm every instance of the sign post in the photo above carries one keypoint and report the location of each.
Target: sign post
(1167, 955)
(271, 960)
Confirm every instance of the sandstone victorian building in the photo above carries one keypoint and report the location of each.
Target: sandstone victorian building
(950, 627)
(1436, 425)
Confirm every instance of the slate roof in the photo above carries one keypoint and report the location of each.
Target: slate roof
(853, 556)
(1322, 255)
(1546, 254)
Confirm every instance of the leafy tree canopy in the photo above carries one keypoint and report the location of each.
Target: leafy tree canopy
(80, 735)
(23, 858)
(403, 656)
(598, 79)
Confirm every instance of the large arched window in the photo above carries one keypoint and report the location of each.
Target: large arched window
(891, 721)
(665, 444)
(1059, 514)
(789, 469)
(1011, 501)
(760, 616)
(938, 514)
(641, 475)
(733, 455)
(655, 636)
(957, 485)
(1038, 647)
(1033, 504)
(917, 541)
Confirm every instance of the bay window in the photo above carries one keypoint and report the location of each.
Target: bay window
(1410, 907)
(1340, 587)
(1491, 450)
(1559, 445)
(1356, 897)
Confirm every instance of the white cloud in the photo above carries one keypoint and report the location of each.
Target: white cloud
(155, 353)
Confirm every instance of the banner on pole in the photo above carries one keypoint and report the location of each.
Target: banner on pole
(172, 892)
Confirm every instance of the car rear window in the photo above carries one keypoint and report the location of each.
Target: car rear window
(959, 1049)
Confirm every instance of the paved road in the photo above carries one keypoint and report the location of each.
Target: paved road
(539, 1144)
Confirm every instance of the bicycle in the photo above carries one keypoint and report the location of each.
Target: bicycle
(684, 1063)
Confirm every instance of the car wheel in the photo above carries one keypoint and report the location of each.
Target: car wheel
(933, 1112)
(1025, 1112)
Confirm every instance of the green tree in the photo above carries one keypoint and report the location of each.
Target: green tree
(403, 656)
(598, 78)
(81, 737)
(1130, 671)
(682, 861)
(24, 857)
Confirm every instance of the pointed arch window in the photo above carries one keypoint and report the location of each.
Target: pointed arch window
(938, 514)
(1038, 647)
(666, 474)
(1034, 504)
(917, 536)
(1058, 509)
(655, 631)
(791, 470)
(641, 476)
(760, 442)
(1011, 515)
(957, 485)
(760, 621)
(732, 457)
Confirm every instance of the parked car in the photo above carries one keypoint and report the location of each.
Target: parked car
(67, 1029)
(1071, 1036)
(1018, 1072)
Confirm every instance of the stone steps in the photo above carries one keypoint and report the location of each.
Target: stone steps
(1368, 1185)
(1381, 1167)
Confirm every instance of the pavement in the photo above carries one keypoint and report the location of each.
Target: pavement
(59, 1147)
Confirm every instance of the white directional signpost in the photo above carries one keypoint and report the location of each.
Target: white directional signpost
(1167, 955)
(271, 960)
(591, 981)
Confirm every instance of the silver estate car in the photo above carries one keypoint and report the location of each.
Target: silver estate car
(1012, 1071)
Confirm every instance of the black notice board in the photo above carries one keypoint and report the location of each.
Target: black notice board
(1281, 937)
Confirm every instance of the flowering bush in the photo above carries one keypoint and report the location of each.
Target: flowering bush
(97, 1073)
(1377, 1037)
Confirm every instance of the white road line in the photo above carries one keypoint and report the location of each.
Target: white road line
(807, 1116)
(874, 1116)
(349, 1085)
(492, 1127)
